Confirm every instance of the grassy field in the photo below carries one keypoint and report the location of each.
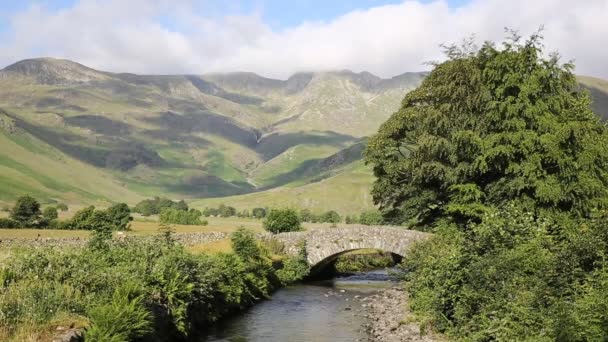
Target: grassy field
(347, 193)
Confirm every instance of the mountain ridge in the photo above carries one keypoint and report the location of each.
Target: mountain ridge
(193, 136)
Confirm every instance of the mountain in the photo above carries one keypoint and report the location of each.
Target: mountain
(73, 133)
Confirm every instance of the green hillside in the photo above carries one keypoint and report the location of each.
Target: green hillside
(72, 133)
(184, 136)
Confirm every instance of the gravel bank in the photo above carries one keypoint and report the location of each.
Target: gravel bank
(388, 317)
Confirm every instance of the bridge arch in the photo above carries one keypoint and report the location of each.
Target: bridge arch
(324, 244)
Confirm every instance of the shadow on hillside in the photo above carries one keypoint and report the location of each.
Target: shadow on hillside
(274, 144)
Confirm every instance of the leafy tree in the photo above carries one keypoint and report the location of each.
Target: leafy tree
(330, 217)
(487, 127)
(207, 212)
(282, 220)
(61, 206)
(120, 216)
(181, 205)
(50, 213)
(175, 216)
(371, 218)
(26, 211)
(226, 211)
(259, 213)
(82, 218)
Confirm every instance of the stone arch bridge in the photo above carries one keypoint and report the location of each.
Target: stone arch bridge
(324, 245)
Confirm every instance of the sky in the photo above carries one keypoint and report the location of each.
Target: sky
(276, 38)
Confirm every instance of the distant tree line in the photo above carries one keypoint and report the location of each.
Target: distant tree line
(156, 205)
(27, 213)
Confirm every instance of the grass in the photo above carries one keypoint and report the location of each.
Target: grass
(221, 246)
(347, 192)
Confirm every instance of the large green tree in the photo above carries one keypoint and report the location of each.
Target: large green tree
(26, 211)
(489, 126)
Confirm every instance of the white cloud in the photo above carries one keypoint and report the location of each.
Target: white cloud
(387, 40)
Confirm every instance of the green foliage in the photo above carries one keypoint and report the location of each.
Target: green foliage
(50, 213)
(123, 288)
(330, 217)
(222, 211)
(307, 216)
(26, 211)
(61, 206)
(8, 223)
(175, 216)
(371, 218)
(120, 216)
(499, 154)
(116, 217)
(294, 268)
(156, 205)
(358, 262)
(258, 213)
(244, 244)
(282, 220)
(123, 319)
(488, 127)
(351, 219)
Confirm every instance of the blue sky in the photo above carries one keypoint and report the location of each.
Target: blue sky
(277, 13)
(276, 38)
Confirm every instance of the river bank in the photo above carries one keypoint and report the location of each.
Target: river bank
(388, 318)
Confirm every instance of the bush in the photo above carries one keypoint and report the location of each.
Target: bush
(258, 213)
(131, 290)
(50, 213)
(294, 268)
(119, 216)
(371, 218)
(154, 206)
(26, 211)
(8, 223)
(282, 220)
(116, 217)
(124, 318)
(330, 217)
(61, 206)
(226, 211)
(174, 216)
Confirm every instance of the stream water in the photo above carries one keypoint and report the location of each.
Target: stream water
(329, 310)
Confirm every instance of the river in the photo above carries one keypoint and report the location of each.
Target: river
(330, 310)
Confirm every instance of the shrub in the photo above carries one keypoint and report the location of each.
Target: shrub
(120, 216)
(244, 244)
(26, 211)
(371, 218)
(50, 213)
(330, 217)
(258, 213)
(226, 211)
(61, 206)
(191, 217)
(294, 268)
(125, 318)
(154, 206)
(282, 220)
(8, 223)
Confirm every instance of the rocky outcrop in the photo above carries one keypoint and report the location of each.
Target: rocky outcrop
(389, 318)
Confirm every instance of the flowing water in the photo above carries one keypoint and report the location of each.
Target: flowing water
(321, 311)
